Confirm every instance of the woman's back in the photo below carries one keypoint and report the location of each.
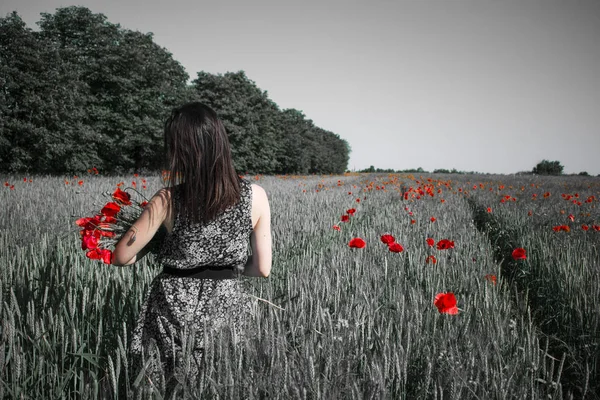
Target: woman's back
(223, 242)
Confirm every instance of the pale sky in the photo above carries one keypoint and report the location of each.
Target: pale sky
(488, 86)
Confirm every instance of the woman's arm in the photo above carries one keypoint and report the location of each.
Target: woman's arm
(259, 264)
(132, 245)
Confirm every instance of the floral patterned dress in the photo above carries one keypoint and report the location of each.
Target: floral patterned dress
(177, 307)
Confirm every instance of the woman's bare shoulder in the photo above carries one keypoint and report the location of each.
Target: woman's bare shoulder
(258, 192)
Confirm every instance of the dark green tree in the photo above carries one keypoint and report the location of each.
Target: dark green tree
(248, 115)
(42, 104)
(546, 167)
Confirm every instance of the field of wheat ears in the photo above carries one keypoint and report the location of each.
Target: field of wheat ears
(382, 287)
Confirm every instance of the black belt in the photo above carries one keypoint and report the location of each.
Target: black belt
(203, 272)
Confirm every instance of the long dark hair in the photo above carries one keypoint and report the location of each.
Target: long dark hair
(198, 159)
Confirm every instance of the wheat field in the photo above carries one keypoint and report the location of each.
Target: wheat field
(332, 321)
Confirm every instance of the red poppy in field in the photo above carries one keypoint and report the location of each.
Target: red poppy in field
(396, 247)
(585, 227)
(519, 254)
(351, 211)
(442, 201)
(108, 234)
(431, 259)
(337, 228)
(135, 175)
(572, 217)
(432, 219)
(546, 195)
(122, 197)
(143, 204)
(491, 278)
(80, 183)
(559, 228)
(6, 184)
(489, 209)
(430, 242)
(345, 218)
(357, 243)
(412, 221)
(388, 239)
(445, 244)
(110, 209)
(446, 303)
(502, 200)
(596, 228)
(358, 200)
(530, 213)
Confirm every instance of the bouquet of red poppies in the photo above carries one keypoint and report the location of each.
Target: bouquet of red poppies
(100, 233)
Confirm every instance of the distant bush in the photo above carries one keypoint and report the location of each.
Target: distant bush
(546, 167)
(584, 173)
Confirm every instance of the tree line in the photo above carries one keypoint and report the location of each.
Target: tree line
(82, 92)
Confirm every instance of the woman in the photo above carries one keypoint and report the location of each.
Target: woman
(210, 215)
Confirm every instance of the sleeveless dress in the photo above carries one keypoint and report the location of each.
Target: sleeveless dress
(177, 307)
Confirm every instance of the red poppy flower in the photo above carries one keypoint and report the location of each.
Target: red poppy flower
(345, 218)
(388, 239)
(445, 244)
(357, 243)
(122, 197)
(358, 200)
(489, 209)
(89, 242)
(530, 213)
(585, 227)
(351, 211)
(491, 278)
(110, 209)
(396, 247)
(110, 220)
(337, 228)
(446, 303)
(596, 227)
(431, 259)
(430, 242)
(108, 234)
(143, 204)
(572, 217)
(412, 221)
(432, 219)
(546, 195)
(519, 254)
(88, 224)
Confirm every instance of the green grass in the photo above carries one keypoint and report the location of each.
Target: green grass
(356, 323)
